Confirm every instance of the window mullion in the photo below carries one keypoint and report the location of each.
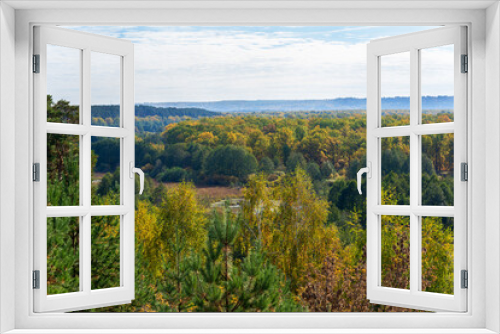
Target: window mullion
(414, 172)
(81, 227)
(86, 177)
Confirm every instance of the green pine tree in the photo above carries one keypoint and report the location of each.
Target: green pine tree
(225, 283)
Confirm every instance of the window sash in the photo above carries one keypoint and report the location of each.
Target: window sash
(85, 298)
(414, 298)
(475, 320)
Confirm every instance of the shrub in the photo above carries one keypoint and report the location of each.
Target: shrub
(175, 174)
(230, 160)
(313, 171)
(266, 165)
(327, 169)
(295, 160)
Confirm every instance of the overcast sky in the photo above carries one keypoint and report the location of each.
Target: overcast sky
(175, 64)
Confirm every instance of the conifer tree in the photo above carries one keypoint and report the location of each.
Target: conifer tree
(224, 284)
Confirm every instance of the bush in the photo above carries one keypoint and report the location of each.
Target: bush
(107, 151)
(395, 160)
(313, 170)
(327, 169)
(276, 161)
(272, 177)
(230, 160)
(223, 180)
(175, 174)
(109, 183)
(176, 155)
(266, 165)
(427, 165)
(295, 160)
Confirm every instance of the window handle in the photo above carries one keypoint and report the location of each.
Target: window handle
(133, 171)
(368, 171)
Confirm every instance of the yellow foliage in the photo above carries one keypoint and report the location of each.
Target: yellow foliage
(182, 223)
(148, 236)
(207, 138)
(167, 234)
(288, 219)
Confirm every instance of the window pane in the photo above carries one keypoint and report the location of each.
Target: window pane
(395, 251)
(105, 89)
(437, 84)
(105, 171)
(395, 170)
(105, 252)
(63, 170)
(437, 254)
(395, 89)
(437, 169)
(63, 255)
(63, 84)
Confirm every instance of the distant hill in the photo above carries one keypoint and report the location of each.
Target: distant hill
(155, 116)
(112, 111)
(348, 103)
(148, 118)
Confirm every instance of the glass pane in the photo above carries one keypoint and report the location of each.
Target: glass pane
(437, 84)
(437, 170)
(63, 255)
(105, 89)
(63, 84)
(437, 254)
(395, 89)
(63, 170)
(105, 252)
(395, 251)
(105, 171)
(395, 171)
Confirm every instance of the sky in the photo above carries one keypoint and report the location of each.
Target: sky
(188, 64)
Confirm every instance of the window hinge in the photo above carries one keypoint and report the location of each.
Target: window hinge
(36, 63)
(464, 171)
(465, 64)
(36, 172)
(465, 279)
(36, 279)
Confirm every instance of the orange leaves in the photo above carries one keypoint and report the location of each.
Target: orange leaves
(340, 286)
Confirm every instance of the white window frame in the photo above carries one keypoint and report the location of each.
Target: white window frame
(87, 44)
(412, 44)
(484, 49)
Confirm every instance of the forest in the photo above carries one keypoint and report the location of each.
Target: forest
(147, 118)
(251, 213)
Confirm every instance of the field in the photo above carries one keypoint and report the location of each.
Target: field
(208, 195)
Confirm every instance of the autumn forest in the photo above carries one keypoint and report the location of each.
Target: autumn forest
(249, 212)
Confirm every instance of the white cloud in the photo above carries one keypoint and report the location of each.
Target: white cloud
(63, 73)
(207, 66)
(185, 64)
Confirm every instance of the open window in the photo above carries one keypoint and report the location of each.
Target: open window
(406, 217)
(401, 219)
(95, 69)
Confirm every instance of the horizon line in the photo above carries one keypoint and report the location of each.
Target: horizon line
(272, 100)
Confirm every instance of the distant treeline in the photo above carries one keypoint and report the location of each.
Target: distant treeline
(344, 103)
(148, 118)
(113, 111)
(154, 119)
